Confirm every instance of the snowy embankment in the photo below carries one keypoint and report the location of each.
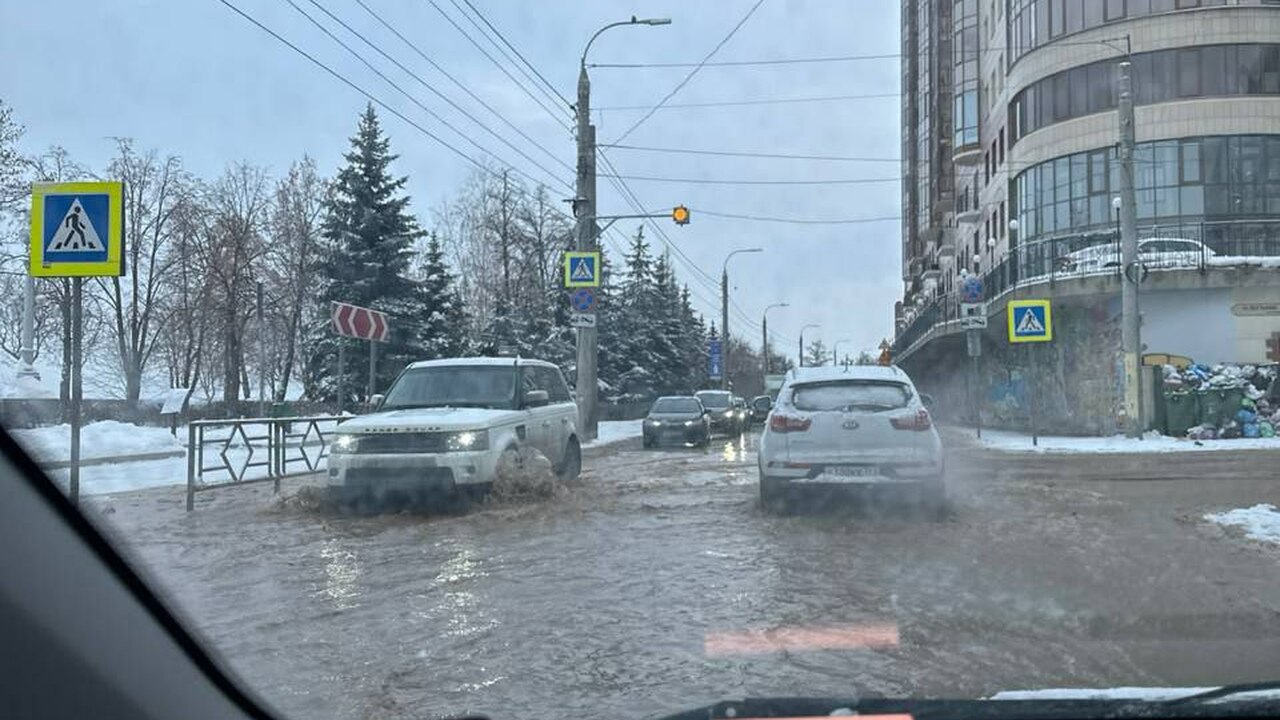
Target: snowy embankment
(107, 438)
(614, 431)
(1260, 522)
(1013, 442)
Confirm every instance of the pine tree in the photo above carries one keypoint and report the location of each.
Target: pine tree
(369, 237)
(443, 329)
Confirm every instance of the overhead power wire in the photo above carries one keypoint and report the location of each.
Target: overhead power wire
(764, 101)
(513, 49)
(369, 96)
(745, 63)
(692, 72)
(519, 68)
(729, 153)
(795, 221)
(421, 81)
(723, 181)
(559, 119)
(462, 86)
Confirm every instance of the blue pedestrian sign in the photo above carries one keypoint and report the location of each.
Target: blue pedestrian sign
(1030, 321)
(971, 290)
(583, 300)
(581, 269)
(715, 360)
(77, 229)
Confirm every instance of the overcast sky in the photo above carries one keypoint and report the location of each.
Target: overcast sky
(192, 78)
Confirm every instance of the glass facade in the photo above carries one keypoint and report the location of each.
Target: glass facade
(1162, 76)
(964, 52)
(1038, 22)
(1179, 182)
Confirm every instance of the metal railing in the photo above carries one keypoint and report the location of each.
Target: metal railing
(264, 449)
(1232, 243)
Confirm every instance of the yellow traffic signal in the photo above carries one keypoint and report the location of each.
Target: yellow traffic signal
(680, 214)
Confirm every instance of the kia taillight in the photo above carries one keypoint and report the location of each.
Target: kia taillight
(918, 422)
(788, 423)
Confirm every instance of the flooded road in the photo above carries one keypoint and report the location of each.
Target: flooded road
(657, 584)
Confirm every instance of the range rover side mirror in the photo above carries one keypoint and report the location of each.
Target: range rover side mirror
(375, 402)
(536, 398)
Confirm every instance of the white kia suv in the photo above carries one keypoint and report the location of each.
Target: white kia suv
(858, 429)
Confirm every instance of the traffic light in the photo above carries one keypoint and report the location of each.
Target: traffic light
(680, 214)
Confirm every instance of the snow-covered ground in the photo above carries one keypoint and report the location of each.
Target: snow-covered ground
(612, 431)
(119, 477)
(1006, 441)
(107, 438)
(1260, 522)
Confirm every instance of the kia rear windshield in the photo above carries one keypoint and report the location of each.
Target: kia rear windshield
(869, 395)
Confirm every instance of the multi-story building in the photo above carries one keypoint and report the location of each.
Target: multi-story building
(1010, 172)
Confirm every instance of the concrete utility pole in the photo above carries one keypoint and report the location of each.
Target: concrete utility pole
(584, 208)
(724, 312)
(585, 211)
(1130, 322)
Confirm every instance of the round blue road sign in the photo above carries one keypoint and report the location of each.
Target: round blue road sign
(971, 290)
(582, 300)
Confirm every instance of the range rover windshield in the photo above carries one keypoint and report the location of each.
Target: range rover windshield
(490, 386)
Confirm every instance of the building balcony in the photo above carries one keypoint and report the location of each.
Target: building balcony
(968, 215)
(967, 155)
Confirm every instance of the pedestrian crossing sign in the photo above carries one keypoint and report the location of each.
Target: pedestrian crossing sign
(77, 229)
(582, 269)
(1030, 321)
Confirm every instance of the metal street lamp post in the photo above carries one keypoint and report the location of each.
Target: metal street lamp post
(764, 331)
(724, 312)
(802, 329)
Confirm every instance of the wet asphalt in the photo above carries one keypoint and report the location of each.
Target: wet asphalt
(656, 584)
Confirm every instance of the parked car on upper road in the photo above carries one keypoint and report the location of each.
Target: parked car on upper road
(1153, 252)
(444, 426)
(863, 429)
(677, 418)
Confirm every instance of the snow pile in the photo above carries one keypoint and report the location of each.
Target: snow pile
(613, 431)
(1152, 442)
(1260, 522)
(107, 438)
(121, 477)
(1239, 260)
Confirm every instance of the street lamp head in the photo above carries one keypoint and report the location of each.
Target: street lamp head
(1116, 202)
(651, 21)
(991, 243)
(977, 258)
(1013, 225)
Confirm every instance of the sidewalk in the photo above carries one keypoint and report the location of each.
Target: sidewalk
(1015, 442)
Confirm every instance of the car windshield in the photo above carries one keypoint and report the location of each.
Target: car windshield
(676, 406)
(850, 395)
(714, 401)
(419, 353)
(453, 386)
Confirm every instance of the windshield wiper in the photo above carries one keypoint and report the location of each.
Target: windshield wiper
(449, 404)
(1227, 691)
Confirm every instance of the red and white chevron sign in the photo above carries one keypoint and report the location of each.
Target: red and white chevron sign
(358, 322)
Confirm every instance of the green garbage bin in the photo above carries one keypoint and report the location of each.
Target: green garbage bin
(1182, 411)
(1218, 405)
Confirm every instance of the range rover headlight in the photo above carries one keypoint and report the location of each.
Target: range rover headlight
(468, 440)
(344, 444)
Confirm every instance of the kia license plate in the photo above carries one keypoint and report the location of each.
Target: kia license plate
(853, 471)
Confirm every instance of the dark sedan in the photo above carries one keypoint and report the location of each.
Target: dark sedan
(720, 410)
(677, 419)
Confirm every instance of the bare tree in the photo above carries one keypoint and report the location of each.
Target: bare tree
(188, 303)
(240, 205)
(289, 265)
(152, 191)
(12, 164)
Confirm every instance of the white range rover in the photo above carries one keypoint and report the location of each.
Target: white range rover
(442, 429)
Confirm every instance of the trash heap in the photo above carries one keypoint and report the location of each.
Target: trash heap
(1224, 401)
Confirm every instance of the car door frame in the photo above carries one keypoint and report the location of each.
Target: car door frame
(541, 434)
(564, 406)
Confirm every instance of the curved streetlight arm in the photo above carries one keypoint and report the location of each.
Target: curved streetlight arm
(725, 268)
(633, 21)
